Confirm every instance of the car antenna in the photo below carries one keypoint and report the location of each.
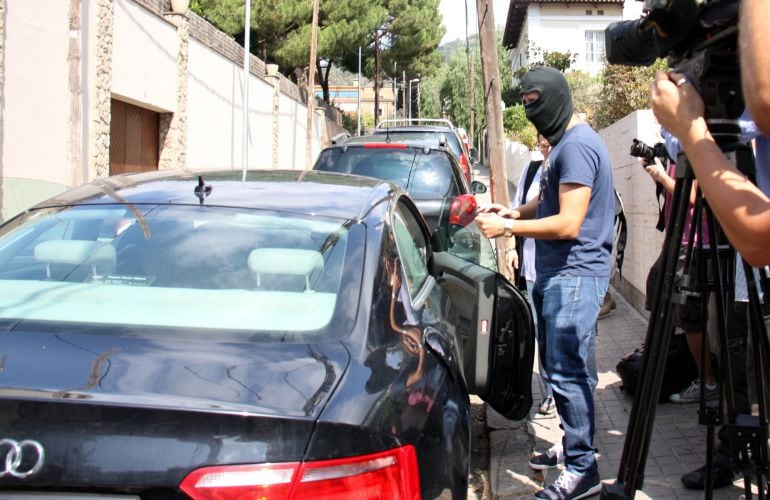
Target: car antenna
(202, 190)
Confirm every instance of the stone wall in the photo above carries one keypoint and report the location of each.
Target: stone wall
(637, 191)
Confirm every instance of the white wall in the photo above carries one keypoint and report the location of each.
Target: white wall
(637, 191)
(143, 58)
(40, 138)
(36, 98)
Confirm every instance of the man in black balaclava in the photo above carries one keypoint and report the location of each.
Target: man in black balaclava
(552, 111)
(572, 223)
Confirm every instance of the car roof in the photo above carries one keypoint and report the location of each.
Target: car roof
(453, 140)
(300, 191)
(413, 128)
(431, 141)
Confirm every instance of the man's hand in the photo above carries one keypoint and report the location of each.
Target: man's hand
(676, 103)
(491, 224)
(496, 208)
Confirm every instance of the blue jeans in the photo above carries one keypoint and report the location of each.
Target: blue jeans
(567, 309)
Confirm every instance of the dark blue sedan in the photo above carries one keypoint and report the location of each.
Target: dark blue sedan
(290, 335)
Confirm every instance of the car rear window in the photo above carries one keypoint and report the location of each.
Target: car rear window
(186, 267)
(423, 175)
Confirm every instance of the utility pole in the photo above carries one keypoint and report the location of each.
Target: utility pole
(311, 86)
(498, 180)
(403, 94)
(358, 94)
(376, 77)
(472, 73)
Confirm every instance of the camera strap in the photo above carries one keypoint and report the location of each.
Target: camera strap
(660, 191)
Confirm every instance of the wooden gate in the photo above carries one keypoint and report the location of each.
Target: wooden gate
(134, 139)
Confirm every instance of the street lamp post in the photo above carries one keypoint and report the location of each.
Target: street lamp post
(413, 80)
(246, 73)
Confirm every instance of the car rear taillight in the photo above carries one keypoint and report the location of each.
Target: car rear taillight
(384, 145)
(389, 474)
(464, 165)
(462, 209)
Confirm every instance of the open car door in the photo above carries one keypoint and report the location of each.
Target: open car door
(494, 320)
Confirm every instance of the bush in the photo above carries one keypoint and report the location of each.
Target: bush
(517, 127)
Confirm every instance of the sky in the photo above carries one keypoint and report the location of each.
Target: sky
(453, 17)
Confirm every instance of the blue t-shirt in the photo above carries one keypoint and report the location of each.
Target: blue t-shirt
(579, 158)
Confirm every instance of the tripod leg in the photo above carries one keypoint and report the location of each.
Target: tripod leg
(641, 419)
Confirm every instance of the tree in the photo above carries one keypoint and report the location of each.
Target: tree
(410, 41)
(447, 93)
(517, 127)
(586, 93)
(343, 28)
(271, 20)
(555, 59)
(396, 29)
(281, 30)
(625, 89)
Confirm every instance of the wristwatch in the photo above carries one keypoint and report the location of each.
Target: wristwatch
(508, 230)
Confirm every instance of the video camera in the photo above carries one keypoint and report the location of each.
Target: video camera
(699, 38)
(642, 150)
(668, 28)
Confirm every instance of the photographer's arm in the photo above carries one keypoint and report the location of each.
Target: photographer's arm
(659, 175)
(742, 209)
(754, 33)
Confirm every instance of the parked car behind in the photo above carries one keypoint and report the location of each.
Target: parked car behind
(421, 166)
(429, 173)
(293, 334)
(427, 127)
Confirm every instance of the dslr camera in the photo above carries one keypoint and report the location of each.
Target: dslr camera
(647, 153)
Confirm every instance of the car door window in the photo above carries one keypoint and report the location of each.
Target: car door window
(412, 248)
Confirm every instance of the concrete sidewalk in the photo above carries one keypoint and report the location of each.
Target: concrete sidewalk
(678, 442)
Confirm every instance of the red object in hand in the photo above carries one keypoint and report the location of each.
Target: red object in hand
(462, 210)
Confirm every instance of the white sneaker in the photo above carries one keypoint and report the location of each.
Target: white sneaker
(692, 393)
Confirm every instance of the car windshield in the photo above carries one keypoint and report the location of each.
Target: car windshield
(189, 267)
(423, 173)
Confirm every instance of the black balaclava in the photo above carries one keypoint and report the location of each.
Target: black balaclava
(552, 111)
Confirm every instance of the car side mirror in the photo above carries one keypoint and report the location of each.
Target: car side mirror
(473, 154)
(478, 187)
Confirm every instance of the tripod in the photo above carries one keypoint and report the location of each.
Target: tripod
(748, 433)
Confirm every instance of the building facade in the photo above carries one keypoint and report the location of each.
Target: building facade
(536, 26)
(91, 88)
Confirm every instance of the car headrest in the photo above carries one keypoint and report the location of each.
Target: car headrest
(285, 261)
(100, 256)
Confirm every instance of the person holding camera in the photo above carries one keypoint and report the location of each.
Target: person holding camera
(687, 316)
(572, 228)
(742, 207)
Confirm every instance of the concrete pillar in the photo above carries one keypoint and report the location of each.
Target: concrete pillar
(102, 102)
(173, 128)
(272, 74)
